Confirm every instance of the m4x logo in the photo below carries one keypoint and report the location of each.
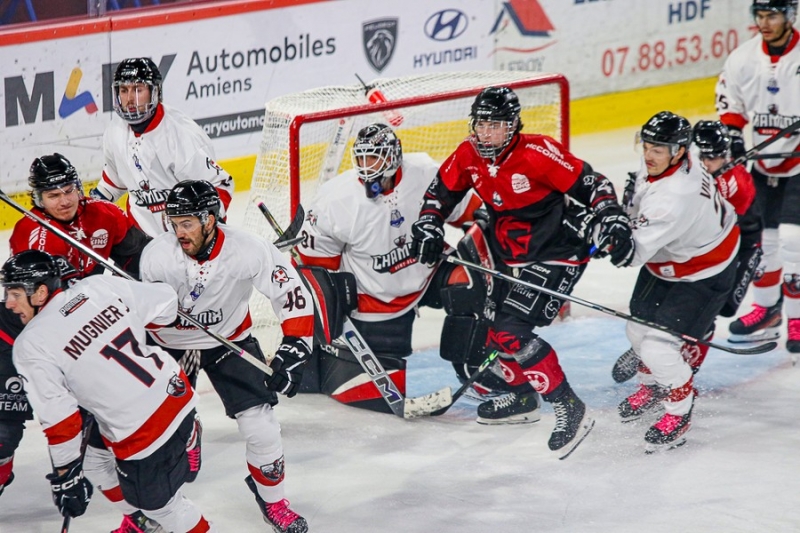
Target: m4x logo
(72, 102)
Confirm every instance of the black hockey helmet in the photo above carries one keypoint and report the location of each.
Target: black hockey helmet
(379, 141)
(787, 7)
(29, 270)
(137, 70)
(495, 104)
(712, 138)
(191, 198)
(669, 129)
(51, 172)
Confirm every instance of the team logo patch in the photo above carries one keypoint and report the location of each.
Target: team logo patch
(197, 290)
(400, 241)
(176, 386)
(273, 471)
(211, 164)
(99, 238)
(73, 305)
(496, 200)
(280, 276)
(380, 40)
(539, 381)
(311, 218)
(396, 219)
(520, 183)
(136, 163)
(14, 385)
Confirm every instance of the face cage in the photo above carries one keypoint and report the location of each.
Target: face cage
(486, 149)
(36, 194)
(137, 117)
(387, 160)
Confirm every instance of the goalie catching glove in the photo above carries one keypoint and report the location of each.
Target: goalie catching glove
(287, 366)
(71, 490)
(428, 239)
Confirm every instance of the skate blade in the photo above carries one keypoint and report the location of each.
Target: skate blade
(430, 403)
(654, 412)
(527, 418)
(650, 449)
(767, 334)
(586, 427)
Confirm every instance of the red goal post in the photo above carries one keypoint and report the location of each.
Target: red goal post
(307, 137)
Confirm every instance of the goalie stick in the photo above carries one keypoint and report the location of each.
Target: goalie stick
(761, 348)
(752, 152)
(235, 350)
(400, 405)
(472, 379)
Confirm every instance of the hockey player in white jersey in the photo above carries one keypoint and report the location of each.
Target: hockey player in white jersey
(152, 147)
(85, 345)
(686, 242)
(359, 223)
(758, 85)
(214, 270)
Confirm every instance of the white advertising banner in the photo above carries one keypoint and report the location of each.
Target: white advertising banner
(605, 46)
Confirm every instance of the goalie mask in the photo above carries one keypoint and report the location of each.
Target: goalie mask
(51, 172)
(137, 89)
(494, 121)
(29, 270)
(787, 7)
(377, 155)
(712, 139)
(668, 129)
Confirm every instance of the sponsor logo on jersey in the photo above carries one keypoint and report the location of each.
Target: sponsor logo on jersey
(380, 40)
(771, 123)
(496, 200)
(137, 164)
(520, 183)
(280, 276)
(155, 200)
(273, 471)
(14, 385)
(446, 25)
(207, 318)
(400, 241)
(394, 261)
(211, 164)
(72, 305)
(551, 152)
(396, 219)
(13, 398)
(176, 386)
(99, 238)
(37, 239)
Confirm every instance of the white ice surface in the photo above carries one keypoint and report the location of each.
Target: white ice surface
(350, 470)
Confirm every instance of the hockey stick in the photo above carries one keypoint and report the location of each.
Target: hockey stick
(400, 405)
(121, 273)
(87, 429)
(484, 366)
(761, 348)
(782, 155)
(752, 152)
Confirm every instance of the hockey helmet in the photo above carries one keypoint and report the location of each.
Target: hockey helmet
(377, 154)
(29, 270)
(498, 105)
(137, 70)
(787, 7)
(50, 172)
(193, 199)
(669, 129)
(712, 138)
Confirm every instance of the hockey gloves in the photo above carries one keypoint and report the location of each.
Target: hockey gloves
(428, 239)
(287, 366)
(615, 239)
(71, 490)
(737, 142)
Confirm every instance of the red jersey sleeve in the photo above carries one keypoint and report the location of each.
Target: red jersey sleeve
(738, 188)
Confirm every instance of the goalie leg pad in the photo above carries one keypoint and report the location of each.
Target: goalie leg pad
(335, 297)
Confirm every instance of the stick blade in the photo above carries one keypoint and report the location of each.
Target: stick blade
(428, 405)
(753, 350)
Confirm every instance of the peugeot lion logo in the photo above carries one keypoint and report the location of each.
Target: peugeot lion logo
(380, 39)
(446, 25)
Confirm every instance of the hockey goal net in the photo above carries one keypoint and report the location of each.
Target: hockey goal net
(307, 137)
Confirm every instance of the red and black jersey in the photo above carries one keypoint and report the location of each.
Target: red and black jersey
(99, 225)
(524, 194)
(737, 186)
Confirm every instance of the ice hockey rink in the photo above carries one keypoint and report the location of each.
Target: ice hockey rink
(349, 470)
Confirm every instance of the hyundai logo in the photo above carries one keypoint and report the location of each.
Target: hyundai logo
(446, 25)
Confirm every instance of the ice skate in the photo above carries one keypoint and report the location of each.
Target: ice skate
(760, 324)
(626, 366)
(193, 450)
(646, 398)
(278, 514)
(669, 432)
(512, 408)
(572, 424)
(138, 523)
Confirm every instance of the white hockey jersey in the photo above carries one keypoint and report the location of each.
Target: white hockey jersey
(764, 90)
(87, 347)
(216, 292)
(172, 149)
(372, 237)
(682, 227)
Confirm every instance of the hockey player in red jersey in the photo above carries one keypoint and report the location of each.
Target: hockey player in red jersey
(531, 186)
(687, 242)
(85, 346)
(758, 85)
(99, 225)
(15, 410)
(214, 270)
(149, 147)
